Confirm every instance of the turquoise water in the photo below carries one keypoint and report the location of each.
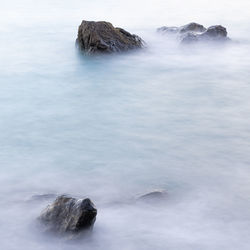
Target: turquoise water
(115, 127)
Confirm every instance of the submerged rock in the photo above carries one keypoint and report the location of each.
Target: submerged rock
(103, 37)
(168, 30)
(154, 196)
(69, 215)
(194, 32)
(42, 197)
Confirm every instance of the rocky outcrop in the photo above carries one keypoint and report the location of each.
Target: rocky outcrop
(103, 37)
(195, 32)
(69, 215)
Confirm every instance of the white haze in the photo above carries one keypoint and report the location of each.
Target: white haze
(112, 128)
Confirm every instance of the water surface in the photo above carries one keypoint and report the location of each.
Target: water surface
(114, 127)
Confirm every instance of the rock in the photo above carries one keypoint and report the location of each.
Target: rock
(216, 31)
(189, 38)
(103, 37)
(191, 27)
(213, 33)
(42, 197)
(154, 196)
(69, 215)
(194, 32)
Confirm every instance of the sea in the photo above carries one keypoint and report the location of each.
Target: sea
(114, 127)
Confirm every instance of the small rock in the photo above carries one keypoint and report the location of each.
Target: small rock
(157, 195)
(103, 37)
(69, 215)
(194, 32)
(213, 33)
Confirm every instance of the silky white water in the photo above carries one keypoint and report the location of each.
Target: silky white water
(114, 127)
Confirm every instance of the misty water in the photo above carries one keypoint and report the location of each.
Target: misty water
(114, 127)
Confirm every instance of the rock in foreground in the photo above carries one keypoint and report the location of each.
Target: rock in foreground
(69, 215)
(103, 37)
(194, 32)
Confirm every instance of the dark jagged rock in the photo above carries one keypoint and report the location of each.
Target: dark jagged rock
(69, 215)
(154, 196)
(103, 37)
(195, 32)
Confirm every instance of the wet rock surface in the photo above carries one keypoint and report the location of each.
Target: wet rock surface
(103, 37)
(68, 215)
(194, 32)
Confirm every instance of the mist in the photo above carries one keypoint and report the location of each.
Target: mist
(112, 128)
